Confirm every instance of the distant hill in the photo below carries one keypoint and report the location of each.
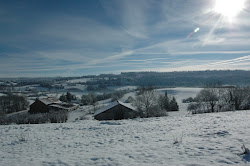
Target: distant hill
(184, 78)
(169, 79)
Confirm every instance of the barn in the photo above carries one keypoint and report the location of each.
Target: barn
(42, 105)
(117, 110)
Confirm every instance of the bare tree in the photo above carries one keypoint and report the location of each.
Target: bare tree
(237, 96)
(192, 107)
(146, 101)
(208, 98)
(92, 100)
(221, 99)
(13, 103)
(150, 104)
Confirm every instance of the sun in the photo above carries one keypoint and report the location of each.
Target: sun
(229, 8)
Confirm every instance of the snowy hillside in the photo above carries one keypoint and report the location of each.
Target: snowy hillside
(205, 139)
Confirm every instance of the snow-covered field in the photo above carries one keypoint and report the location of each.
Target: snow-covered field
(76, 87)
(123, 87)
(205, 139)
(180, 93)
(82, 80)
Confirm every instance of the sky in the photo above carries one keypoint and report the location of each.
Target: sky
(44, 38)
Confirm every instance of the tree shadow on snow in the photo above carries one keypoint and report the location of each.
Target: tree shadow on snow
(246, 157)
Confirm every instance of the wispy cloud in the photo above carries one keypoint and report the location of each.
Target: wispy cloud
(232, 61)
(113, 36)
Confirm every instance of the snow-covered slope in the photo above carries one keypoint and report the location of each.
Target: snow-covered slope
(205, 139)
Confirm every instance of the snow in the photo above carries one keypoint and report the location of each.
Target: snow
(113, 104)
(180, 93)
(73, 116)
(69, 108)
(19, 112)
(82, 80)
(124, 87)
(204, 139)
(128, 105)
(78, 87)
(2, 94)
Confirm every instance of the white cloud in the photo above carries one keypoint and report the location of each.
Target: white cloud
(134, 17)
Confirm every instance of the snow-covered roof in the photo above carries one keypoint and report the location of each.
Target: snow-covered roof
(2, 94)
(49, 100)
(128, 105)
(64, 107)
(113, 104)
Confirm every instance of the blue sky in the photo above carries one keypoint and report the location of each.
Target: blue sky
(81, 37)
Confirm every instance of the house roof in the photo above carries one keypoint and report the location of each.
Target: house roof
(113, 104)
(60, 106)
(49, 100)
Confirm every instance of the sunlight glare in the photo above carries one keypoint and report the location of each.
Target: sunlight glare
(229, 8)
(197, 29)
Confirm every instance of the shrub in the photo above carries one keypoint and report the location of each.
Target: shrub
(26, 118)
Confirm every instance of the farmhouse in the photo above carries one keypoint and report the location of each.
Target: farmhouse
(115, 111)
(42, 105)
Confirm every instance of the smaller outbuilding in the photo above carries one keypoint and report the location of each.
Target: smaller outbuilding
(116, 110)
(43, 105)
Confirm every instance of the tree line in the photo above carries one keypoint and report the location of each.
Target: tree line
(212, 99)
(12, 103)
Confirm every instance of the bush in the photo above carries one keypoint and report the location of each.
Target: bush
(156, 111)
(51, 117)
(189, 100)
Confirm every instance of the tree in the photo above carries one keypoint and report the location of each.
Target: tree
(2, 113)
(192, 108)
(117, 95)
(92, 99)
(102, 86)
(167, 105)
(13, 103)
(130, 99)
(143, 89)
(221, 99)
(69, 97)
(174, 105)
(189, 100)
(161, 100)
(63, 98)
(91, 88)
(149, 104)
(166, 102)
(237, 96)
(209, 98)
(146, 101)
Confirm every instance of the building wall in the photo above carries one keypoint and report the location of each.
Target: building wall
(38, 107)
(116, 113)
